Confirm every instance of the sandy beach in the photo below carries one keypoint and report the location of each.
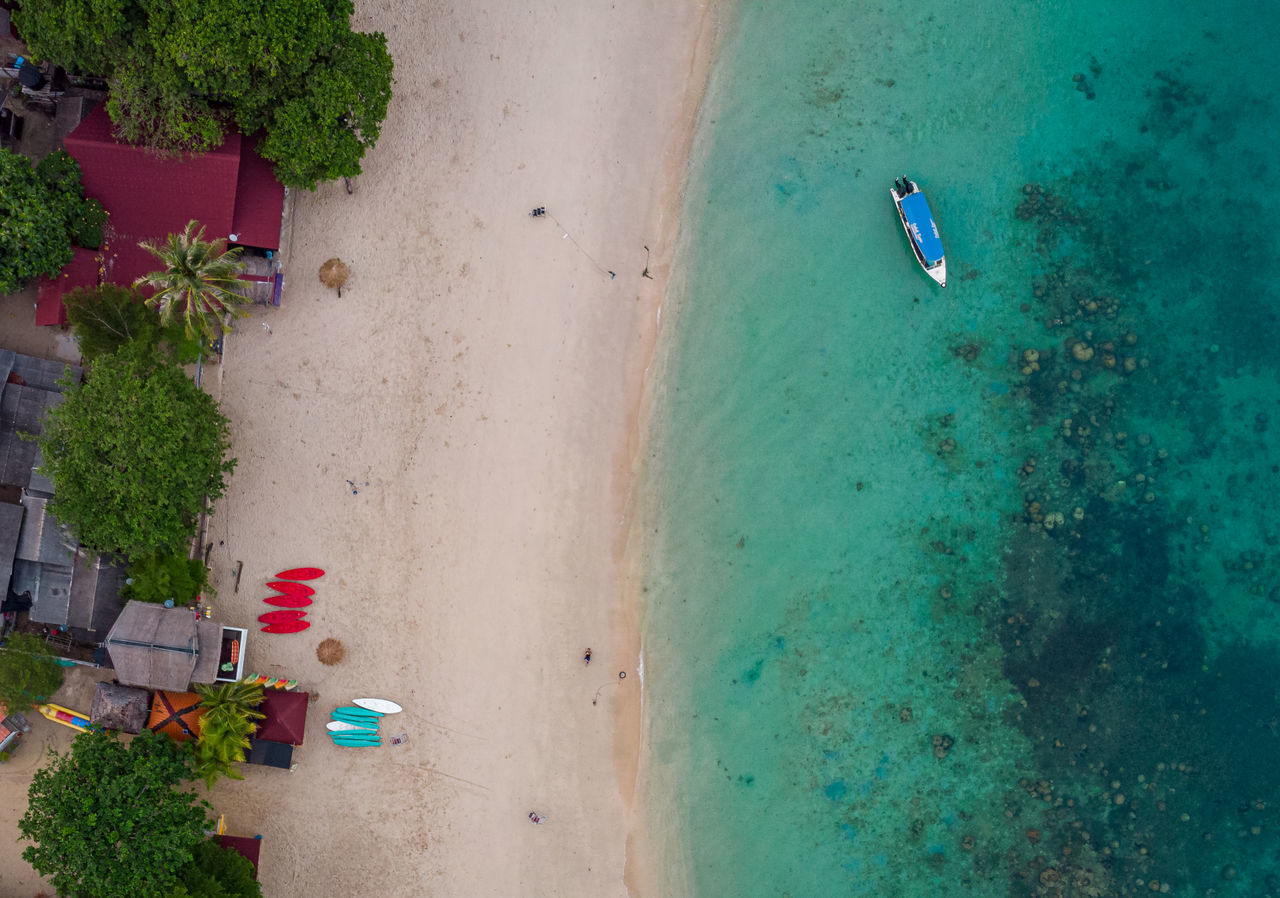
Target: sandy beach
(453, 440)
(477, 384)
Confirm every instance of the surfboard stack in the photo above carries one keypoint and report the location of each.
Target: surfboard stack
(292, 598)
(356, 725)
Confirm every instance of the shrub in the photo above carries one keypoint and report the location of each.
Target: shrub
(86, 226)
(156, 578)
(29, 673)
(105, 318)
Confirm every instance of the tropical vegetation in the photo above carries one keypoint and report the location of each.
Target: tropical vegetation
(133, 452)
(43, 212)
(164, 576)
(199, 282)
(106, 317)
(108, 819)
(182, 71)
(231, 715)
(29, 675)
(216, 872)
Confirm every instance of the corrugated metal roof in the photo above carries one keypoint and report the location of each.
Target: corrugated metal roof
(42, 538)
(43, 374)
(10, 526)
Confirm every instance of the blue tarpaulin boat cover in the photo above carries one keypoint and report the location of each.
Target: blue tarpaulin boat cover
(916, 210)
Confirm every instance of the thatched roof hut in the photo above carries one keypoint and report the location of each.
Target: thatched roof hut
(120, 708)
(163, 648)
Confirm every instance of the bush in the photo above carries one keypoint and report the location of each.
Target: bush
(35, 210)
(216, 872)
(29, 673)
(157, 578)
(106, 318)
(86, 226)
(134, 454)
(60, 173)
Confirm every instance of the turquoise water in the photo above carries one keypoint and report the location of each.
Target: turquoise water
(972, 592)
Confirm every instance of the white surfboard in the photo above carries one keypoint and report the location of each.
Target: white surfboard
(381, 705)
(340, 726)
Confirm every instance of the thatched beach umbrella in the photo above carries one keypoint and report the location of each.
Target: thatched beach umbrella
(330, 651)
(334, 273)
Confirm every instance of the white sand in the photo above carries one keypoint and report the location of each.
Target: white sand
(479, 381)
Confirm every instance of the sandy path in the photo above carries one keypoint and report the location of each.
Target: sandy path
(477, 381)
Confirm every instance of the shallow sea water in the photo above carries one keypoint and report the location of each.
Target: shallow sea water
(973, 591)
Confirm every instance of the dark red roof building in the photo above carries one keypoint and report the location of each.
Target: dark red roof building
(231, 190)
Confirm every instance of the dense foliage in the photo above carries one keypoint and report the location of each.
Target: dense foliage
(216, 872)
(29, 674)
(181, 70)
(108, 819)
(87, 36)
(230, 718)
(40, 211)
(158, 578)
(133, 452)
(321, 133)
(107, 317)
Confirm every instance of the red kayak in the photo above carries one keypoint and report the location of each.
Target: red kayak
(301, 573)
(282, 616)
(288, 626)
(288, 601)
(291, 589)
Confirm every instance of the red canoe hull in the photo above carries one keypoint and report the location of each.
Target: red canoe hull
(301, 573)
(289, 626)
(288, 601)
(282, 617)
(292, 589)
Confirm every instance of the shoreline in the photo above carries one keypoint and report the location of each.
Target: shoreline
(630, 729)
(454, 441)
(498, 519)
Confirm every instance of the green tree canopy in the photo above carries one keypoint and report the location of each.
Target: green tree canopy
(108, 820)
(153, 104)
(133, 452)
(107, 317)
(28, 673)
(180, 69)
(323, 132)
(243, 52)
(86, 36)
(34, 220)
(216, 872)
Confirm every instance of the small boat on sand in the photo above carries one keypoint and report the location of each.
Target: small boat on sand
(922, 230)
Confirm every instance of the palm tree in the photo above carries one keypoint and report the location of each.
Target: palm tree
(225, 728)
(199, 279)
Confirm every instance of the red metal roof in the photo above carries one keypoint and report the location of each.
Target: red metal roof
(229, 190)
(81, 271)
(259, 199)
